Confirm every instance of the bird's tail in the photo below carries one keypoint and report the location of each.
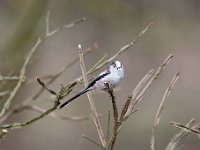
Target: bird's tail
(73, 98)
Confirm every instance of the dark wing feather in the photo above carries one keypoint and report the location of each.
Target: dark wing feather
(97, 79)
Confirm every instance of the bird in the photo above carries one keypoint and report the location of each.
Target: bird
(112, 75)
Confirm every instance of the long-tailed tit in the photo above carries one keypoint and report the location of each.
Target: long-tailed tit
(112, 75)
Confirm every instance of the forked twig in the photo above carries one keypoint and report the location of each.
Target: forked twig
(178, 137)
(93, 141)
(188, 129)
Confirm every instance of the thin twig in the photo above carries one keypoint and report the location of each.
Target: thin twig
(40, 110)
(155, 76)
(188, 129)
(108, 127)
(93, 141)
(10, 78)
(4, 93)
(65, 26)
(92, 105)
(47, 112)
(47, 23)
(135, 92)
(126, 47)
(97, 64)
(18, 85)
(178, 137)
(165, 96)
(22, 71)
(53, 77)
(115, 111)
(161, 108)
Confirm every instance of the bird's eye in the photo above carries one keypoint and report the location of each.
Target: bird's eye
(118, 68)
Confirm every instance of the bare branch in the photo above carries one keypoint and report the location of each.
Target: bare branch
(45, 87)
(139, 86)
(178, 137)
(10, 78)
(53, 77)
(91, 140)
(23, 69)
(161, 108)
(188, 129)
(47, 23)
(108, 127)
(47, 112)
(92, 105)
(115, 111)
(4, 93)
(126, 47)
(155, 76)
(65, 26)
(40, 110)
(165, 96)
(18, 85)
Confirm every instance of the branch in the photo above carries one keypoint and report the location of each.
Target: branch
(115, 116)
(128, 108)
(10, 78)
(63, 69)
(23, 69)
(92, 141)
(92, 105)
(155, 76)
(47, 112)
(4, 93)
(188, 129)
(126, 47)
(135, 92)
(161, 108)
(115, 111)
(108, 127)
(178, 137)
(21, 79)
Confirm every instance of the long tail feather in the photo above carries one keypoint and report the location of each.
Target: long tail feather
(73, 98)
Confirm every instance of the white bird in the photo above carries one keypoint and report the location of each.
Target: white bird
(112, 76)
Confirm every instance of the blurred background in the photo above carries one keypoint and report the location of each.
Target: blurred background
(111, 24)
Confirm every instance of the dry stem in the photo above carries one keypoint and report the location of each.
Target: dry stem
(161, 108)
(92, 105)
